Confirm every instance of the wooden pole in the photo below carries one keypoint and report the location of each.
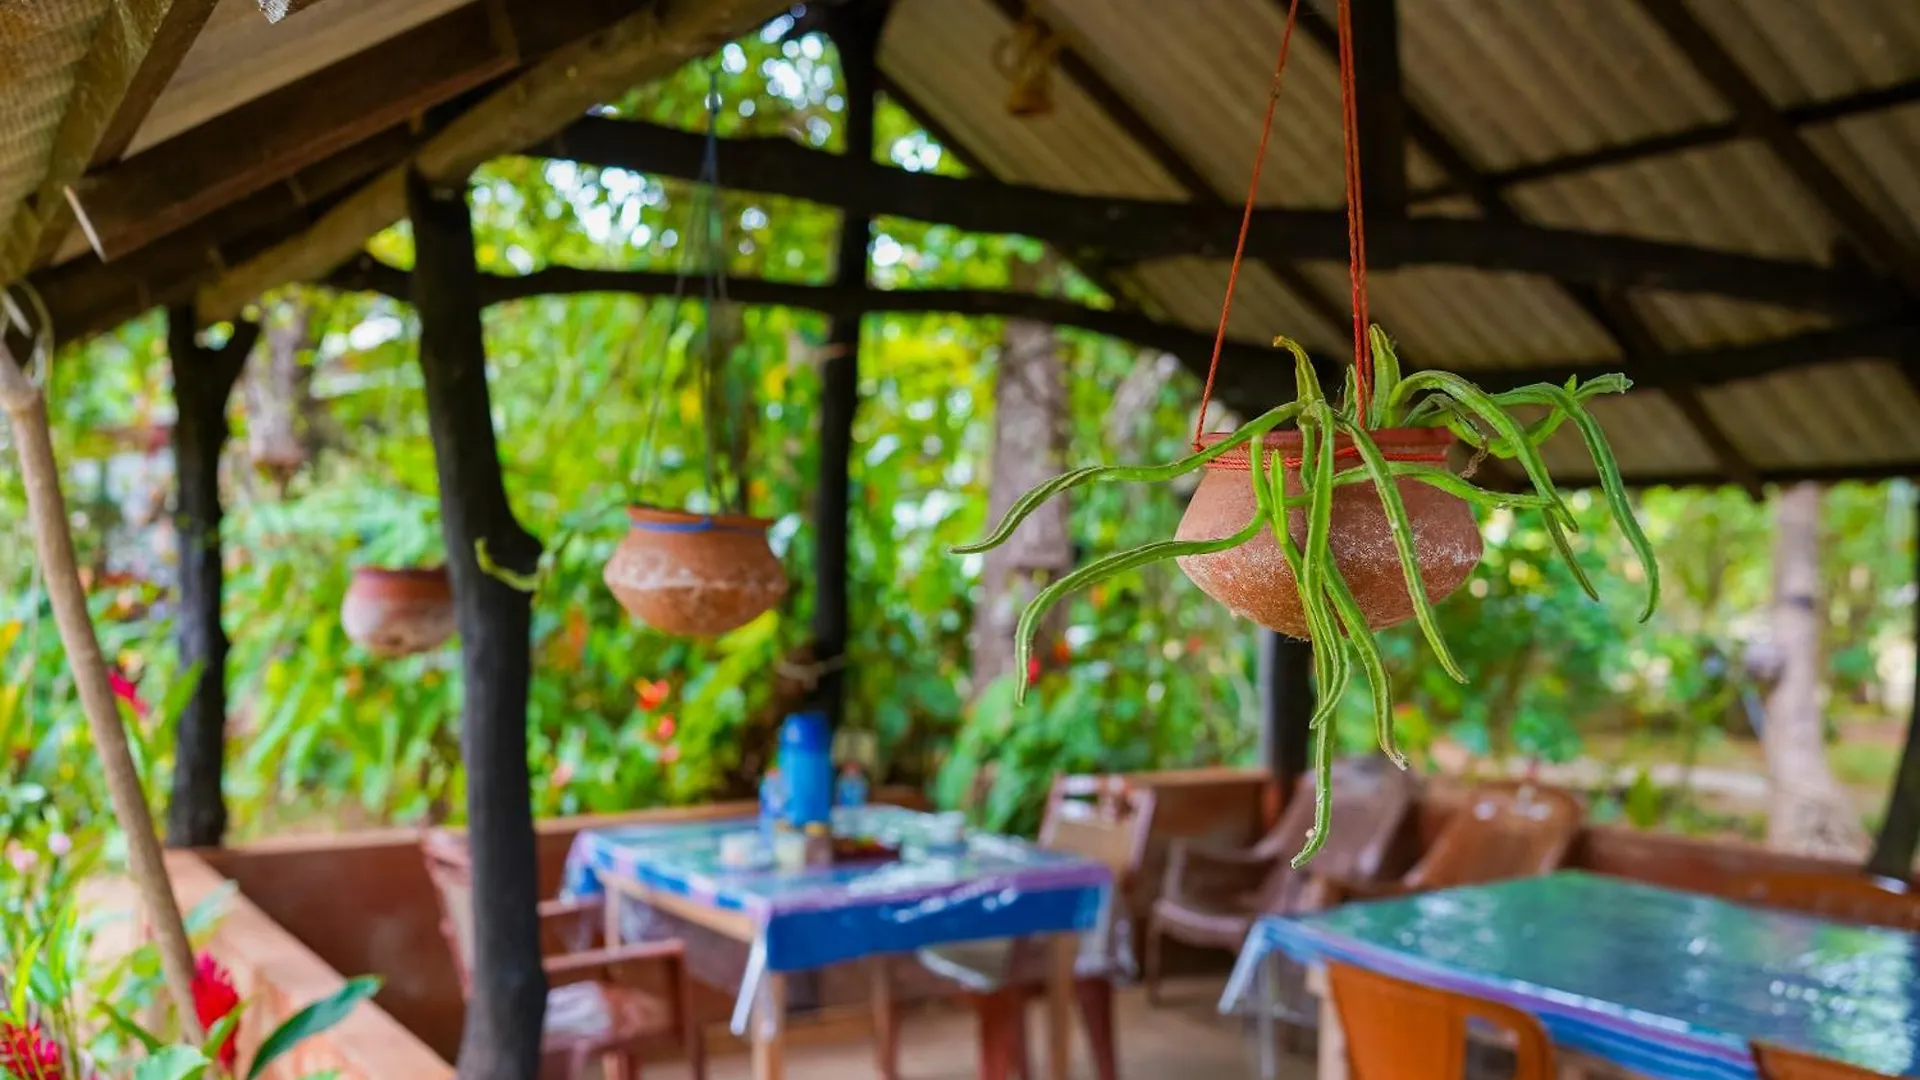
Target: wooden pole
(26, 412)
(855, 30)
(203, 379)
(1286, 704)
(501, 1040)
(1899, 838)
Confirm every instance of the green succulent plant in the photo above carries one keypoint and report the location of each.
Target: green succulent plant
(1481, 420)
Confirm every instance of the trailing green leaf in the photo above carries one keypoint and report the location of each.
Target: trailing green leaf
(316, 1018)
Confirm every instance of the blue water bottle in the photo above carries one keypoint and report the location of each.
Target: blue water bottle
(806, 763)
(852, 788)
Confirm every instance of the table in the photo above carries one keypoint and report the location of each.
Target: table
(801, 920)
(1664, 983)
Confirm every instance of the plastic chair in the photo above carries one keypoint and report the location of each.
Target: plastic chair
(1505, 830)
(1397, 1030)
(1210, 897)
(1776, 1063)
(589, 1015)
(1854, 898)
(1104, 818)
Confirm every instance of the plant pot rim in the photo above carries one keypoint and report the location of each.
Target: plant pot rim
(1436, 441)
(662, 519)
(421, 574)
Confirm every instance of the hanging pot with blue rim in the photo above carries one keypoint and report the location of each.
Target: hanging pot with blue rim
(696, 575)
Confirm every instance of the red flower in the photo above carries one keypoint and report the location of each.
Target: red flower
(651, 695)
(28, 1054)
(1062, 652)
(1033, 670)
(213, 998)
(126, 692)
(666, 727)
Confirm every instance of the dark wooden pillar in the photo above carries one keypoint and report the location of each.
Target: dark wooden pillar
(1381, 105)
(855, 29)
(1286, 704)
(501, 1040)
(1894, 848)
(203, 380)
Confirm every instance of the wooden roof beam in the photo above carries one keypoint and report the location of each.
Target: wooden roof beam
(173, 184)
(1163, 153)
(1756, 115)
(1148, 229)
(1699, 137)
(1601, 301)
(1247, 367)
(533, 106)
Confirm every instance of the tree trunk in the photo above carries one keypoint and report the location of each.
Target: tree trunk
(278, 394)
(203, 381)
(1030, 411)
(501, 1039)
(1810, 814)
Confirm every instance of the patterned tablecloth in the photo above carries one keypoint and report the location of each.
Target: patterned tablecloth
(997, 887)
(1665, 983)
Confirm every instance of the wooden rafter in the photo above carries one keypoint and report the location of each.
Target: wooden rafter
(1150, 228)
(1247, 369)
(1603, 302)
(1757, 115)
(533, 106)
(1113, 104)
(171, 41)
(168, 186)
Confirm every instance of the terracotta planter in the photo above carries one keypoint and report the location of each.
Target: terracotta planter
(697, 575)
(1254, 581)
(398, 612)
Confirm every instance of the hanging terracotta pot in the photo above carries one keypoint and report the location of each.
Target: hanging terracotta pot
(698, 575)
(398, 612)
(1254, 581)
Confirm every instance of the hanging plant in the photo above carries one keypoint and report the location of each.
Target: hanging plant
(1351, 520)
(398, 612)
(700, 572)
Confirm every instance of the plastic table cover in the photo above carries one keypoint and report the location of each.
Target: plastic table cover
(1664, 983)
(997, 887)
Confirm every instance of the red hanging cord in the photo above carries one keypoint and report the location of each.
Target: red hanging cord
(1356, 216)
(1246, 223)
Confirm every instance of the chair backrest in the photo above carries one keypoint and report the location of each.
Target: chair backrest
(1775, 1063)
(1371, 799)
(1399, 1029)
(450, 866)
(1105, 818)
(1854, 898)
(1504, 831)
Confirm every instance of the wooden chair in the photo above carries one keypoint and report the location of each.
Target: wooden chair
(1505, 830)
(1211, 897)
(1776, 1063)
(590, 1015)
(1102, 818)
(1854, 898)
(1398, 1030)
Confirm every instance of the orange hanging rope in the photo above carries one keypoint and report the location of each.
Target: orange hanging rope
(1246, 223)
(1356, 216)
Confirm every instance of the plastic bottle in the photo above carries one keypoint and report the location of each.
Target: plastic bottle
(851, 790)
(773, 802)
(806, 761)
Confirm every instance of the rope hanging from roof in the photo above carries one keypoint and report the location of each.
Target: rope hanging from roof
(1356, 215)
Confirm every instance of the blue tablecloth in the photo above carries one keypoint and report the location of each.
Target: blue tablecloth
(998, 887)
(1665, 983)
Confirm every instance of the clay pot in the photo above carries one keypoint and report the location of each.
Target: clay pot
(697, 575)
(1254, 581)
(398, 612)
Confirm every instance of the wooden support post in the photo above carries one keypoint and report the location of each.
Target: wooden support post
(501, 1040)
(1894, 848)
(855, 30)
(1381, 106)
(1286, 704)
(203, 379)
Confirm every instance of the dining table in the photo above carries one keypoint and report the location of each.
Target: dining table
(1652, 980)
(929, 892)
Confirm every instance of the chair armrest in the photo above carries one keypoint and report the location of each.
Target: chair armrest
(576, 966)
(576, 906)
(1197, 872)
